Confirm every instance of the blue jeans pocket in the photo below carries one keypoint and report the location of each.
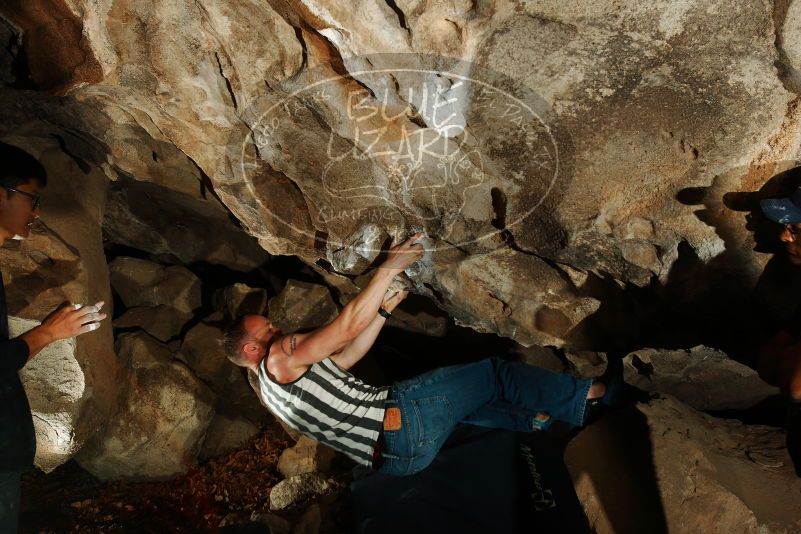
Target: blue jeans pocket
(434, 419)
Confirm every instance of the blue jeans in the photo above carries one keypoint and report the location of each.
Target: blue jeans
(492, 393)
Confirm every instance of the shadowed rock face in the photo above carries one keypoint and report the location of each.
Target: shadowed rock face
(703, 378)
(57, 54)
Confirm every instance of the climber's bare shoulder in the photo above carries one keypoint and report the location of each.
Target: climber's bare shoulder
(281, 363)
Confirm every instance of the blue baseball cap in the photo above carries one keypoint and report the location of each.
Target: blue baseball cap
(783, 210)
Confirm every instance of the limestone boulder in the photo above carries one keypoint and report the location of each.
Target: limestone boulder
(56, 389)
(297, 489)
(302, 305)
(201, 350)
(227, 433)
(165, 413)
(240, 299)
(668, 467)
(790, 43)
(491, 292)
(72, 384)
(273, 521)
(306, 456)
(703, 378)
(419, 321)
(358, 251)
(604, 95)
(145, 283)
(162, 322)
(560, 134)
(627, 96)
(175, 226)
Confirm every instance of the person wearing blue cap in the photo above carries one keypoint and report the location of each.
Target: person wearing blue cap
(779, 361)
(787, 211)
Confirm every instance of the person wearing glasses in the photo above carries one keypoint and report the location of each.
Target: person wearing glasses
(21, 178)
(779, 361)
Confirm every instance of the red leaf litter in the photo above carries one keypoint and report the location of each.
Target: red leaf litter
(70, 500)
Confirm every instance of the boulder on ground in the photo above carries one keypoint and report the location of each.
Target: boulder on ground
(702, 377)
(296, 489)
(165, 412)
(202, 350)
(306, 456)
(144, 283)
(276, 523)
(666, 467)
(56, 389)
(162, 322)
(226, 433)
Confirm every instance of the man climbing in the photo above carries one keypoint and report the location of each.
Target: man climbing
(399, 429)
(779, 360)
(21, 178)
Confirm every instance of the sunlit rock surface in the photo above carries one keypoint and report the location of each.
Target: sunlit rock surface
(56, 389)
(71, 385)
(325, 129)
(669, 468)
(166, 412)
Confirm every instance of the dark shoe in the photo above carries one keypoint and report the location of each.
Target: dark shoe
(618, 393)
(593, 410)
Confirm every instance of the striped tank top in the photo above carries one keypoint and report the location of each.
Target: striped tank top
(330, 405)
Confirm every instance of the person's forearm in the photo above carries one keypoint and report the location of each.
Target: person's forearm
(37, 339)
(357, 348)
(359, 313)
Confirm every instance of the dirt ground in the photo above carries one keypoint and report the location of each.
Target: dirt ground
(70, 500)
